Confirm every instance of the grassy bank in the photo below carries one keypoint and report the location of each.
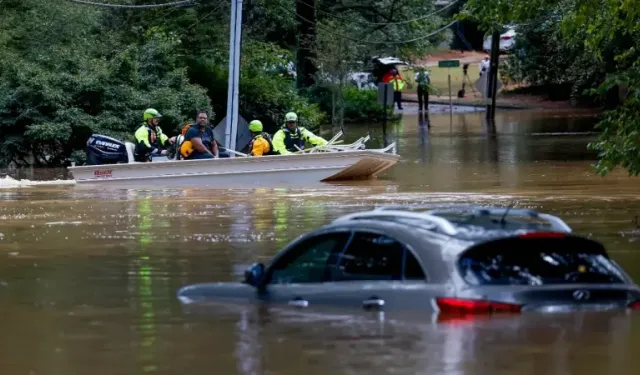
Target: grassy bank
(439, 78)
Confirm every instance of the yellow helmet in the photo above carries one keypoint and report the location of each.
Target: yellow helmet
(255, 126)
(291, 116)
(151, 113)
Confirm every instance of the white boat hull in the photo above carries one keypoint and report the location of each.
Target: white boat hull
(281, 170)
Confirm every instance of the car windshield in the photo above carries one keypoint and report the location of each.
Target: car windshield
(538, 262)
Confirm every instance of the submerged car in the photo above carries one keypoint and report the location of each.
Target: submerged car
(459, 260)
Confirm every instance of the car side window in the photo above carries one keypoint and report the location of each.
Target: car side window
(307, 261)
(412, 267)
(371, 256)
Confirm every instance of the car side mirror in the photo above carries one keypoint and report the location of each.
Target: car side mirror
(254, 274)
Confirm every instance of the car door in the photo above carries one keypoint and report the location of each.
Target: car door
(298, 277)
(376, 271)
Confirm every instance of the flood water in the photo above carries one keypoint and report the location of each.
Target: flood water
(88, 278)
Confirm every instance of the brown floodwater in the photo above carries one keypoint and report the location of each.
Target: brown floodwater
(88, 278)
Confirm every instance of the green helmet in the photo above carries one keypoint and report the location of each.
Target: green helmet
(151, 113)
(255, 126)
(290, 117)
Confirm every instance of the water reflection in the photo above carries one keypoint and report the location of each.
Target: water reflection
(88, 277)
(283, 339)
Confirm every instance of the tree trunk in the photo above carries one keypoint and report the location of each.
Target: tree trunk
(334, 95)
(341, 97)
(306, 69)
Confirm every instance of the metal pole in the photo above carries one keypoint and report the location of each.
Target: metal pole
(384, 115)
(235, 31)
(232, 35)
(450, 99)
(492, 75)
(236, 72)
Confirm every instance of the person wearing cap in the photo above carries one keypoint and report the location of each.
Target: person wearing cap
(150, 140)
(261, 143)
(291, 135)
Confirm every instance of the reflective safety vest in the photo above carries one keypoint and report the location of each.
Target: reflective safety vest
(293, 139)
(423, 79)
(148, 139)
(398, 83)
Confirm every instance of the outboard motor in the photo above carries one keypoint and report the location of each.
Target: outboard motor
(105, 150)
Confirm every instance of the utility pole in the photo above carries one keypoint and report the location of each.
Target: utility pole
(235, 40)
(492, 78)
(307, 43)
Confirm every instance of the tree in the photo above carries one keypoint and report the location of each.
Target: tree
(607, 32)
(63, 78)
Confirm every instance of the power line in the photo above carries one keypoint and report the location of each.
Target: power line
(381, 23)
(215, 9)
(366, 41)
(144, 6)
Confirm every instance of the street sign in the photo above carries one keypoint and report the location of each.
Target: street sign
(448, 63)
(482, 86)
(381, 97)
(243, 135)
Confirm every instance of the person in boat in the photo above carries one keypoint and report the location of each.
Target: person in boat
(199, 142)
(261, 143)
(291, 135)
(150, 140)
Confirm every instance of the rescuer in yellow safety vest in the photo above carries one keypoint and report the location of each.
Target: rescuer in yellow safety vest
(398, 85)
(150, 140)
(291, 135)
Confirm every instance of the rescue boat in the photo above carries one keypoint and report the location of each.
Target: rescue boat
(111, 162)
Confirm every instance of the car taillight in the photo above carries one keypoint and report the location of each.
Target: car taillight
(543, 235)
(470, 306)
(635, 305)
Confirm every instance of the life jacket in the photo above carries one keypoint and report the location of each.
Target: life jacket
(293, 139)
(153, 136)
(267, 137)
(186, 147)
(185, 129)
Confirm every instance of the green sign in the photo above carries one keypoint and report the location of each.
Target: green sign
(448, 63)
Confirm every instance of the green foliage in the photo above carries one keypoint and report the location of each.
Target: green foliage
(69, 70)
(265, 93)
(545, 59)
(56, 92)
(362, 106)
(359, 105)
(598, 42)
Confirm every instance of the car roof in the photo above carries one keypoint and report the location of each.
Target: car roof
(438, 237)
(467, 223)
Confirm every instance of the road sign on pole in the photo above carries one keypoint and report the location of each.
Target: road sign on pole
(482, 86)
(382, 92)
(449, 64)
